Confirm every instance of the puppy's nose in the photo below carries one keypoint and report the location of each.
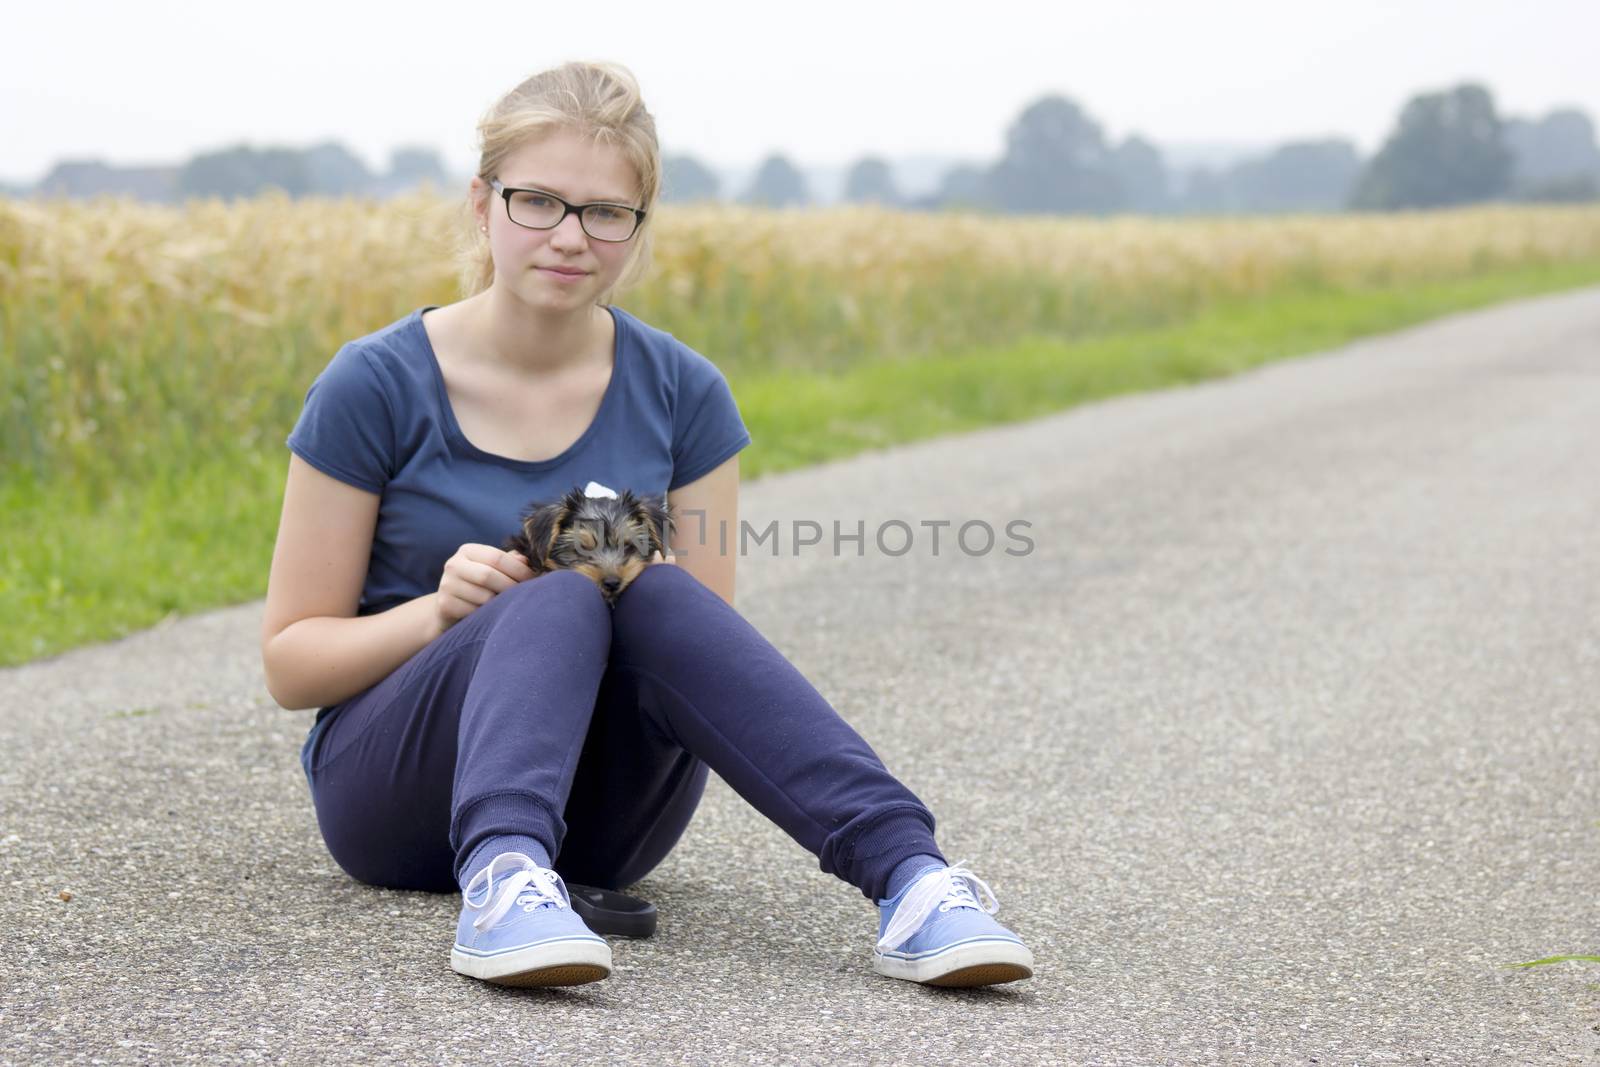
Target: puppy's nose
(611, 583)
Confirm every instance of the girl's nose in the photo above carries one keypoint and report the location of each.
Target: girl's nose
(569, 233)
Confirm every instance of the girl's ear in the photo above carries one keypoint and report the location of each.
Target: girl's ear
(479, 197)
(540, 528)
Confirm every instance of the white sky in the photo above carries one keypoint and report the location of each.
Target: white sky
(821, 80)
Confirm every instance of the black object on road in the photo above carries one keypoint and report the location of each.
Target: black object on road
(606, 911)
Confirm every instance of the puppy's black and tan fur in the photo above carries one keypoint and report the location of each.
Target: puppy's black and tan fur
(610, 540)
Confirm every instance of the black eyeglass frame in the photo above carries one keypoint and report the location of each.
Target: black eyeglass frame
(567, 208)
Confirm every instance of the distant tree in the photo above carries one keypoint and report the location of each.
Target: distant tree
(777, 184)
(77, 177)
(332, 170)
(1142, 174)
(1573, 189)
(244, 171)
(685, 179)
(870, 181)
(1206, 192)
(411, 166)
(964, 186)
(82, 178)
(1555, 152)
(1056, 160)
(1448, 149)
(1300, 176)
(326, 169)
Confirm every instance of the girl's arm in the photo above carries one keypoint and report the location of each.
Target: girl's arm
(314, 651)
(707, 509)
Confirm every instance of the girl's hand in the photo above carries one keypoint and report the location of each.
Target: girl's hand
(657, 558)
(472, 577)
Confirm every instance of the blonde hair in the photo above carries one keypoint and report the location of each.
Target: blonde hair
(598, 100)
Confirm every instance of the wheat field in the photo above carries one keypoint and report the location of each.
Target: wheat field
(152, 359)
(134, 334)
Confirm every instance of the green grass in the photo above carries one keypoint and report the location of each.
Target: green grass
(799, 419)
(78, 566)
(1557, 959)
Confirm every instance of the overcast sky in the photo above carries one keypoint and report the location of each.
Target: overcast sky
(823, 81)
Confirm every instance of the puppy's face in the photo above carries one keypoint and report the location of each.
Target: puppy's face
(611, 541)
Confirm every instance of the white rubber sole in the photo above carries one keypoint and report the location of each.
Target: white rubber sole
(981, 961)
(565, 961)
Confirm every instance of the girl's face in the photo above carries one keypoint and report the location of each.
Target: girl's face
(561, 268)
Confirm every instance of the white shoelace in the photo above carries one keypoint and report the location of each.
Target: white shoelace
(949, 887)
(530, 886)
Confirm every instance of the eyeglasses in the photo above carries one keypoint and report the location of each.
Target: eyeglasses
(536, 209)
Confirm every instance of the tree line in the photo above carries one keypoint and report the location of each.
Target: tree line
(1447, 148)
(328, 169)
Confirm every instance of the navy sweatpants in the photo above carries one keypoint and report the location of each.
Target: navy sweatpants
(547, 713)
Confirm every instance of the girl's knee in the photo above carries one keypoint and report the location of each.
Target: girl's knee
(567, 596)
(655, 588)
(567, 587)
(660, 593)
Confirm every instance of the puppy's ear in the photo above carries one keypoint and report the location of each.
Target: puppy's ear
(518, 542)
(658, 517)
(540, 528)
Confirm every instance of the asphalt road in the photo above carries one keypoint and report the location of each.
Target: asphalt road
(1279, 746)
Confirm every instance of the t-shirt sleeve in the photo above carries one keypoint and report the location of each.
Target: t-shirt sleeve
(706, 426)
(346, 429)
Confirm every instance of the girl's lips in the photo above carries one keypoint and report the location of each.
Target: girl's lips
(562, 275)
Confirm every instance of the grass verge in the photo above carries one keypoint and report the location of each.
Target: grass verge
(77, 568)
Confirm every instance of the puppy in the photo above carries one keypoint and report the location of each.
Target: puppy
(610, 539)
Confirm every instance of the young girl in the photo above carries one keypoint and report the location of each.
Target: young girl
(485, 731)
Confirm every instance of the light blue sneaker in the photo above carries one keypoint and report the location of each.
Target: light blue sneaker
(936, 931)
(520, 930)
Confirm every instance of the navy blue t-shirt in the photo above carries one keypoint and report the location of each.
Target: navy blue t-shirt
(378, 417)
